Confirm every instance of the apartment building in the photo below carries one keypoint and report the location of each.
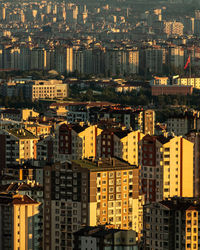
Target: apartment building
(62, 205)
(172, 224)
(38, 58)
(35, 192)
(176, 56)
(148, 122)
(103, 237)
(38, 129)
(194, 137)
(120, 61)
(154, 59)
(183, 123)
(74, 141)
(42, 89)
(35, 90)
(18, 115)
(16, 146)
(79, 141)
(167, 168)
(81, 115)
(64, 59)
(19, 222)
(89, 193)
(143, 120)
(173, 28)
(29, 171)
(45, 149)
(119, 143)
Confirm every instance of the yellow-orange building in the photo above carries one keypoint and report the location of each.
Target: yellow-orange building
(98, 192)
(38, 129)
(119, 143)
(16, 146)
(79, 141)
(178, 168)
(167, 167)
(76, 141)
(19, 220)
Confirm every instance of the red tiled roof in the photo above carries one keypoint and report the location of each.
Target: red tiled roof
(23, 200)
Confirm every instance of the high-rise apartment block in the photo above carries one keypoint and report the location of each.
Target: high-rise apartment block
(143, 120)
(17, 146)
(91, 193)
(172, 224)
(183, 123)
(173, 28)
(78, 142)
(167, 168)
(19, 222)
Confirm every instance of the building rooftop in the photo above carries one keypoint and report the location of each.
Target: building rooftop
(23, 200)
(98, 231)
(17, 199)
(180, 203)
(105, 164)
(17, 186)
(21, 133)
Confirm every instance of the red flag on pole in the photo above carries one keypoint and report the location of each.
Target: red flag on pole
(187, 63)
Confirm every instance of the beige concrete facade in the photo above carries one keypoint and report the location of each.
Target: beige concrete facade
(49, 89)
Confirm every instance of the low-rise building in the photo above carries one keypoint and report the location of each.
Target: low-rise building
(189, 81)
(50, 89)
(36, 90)
(171, 90)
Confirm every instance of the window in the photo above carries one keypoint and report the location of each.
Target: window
(118, 196)
(111, 190)
(111, 174)
(118, 174)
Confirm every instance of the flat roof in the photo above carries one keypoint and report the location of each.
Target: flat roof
(21, 133)
(105, 164)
